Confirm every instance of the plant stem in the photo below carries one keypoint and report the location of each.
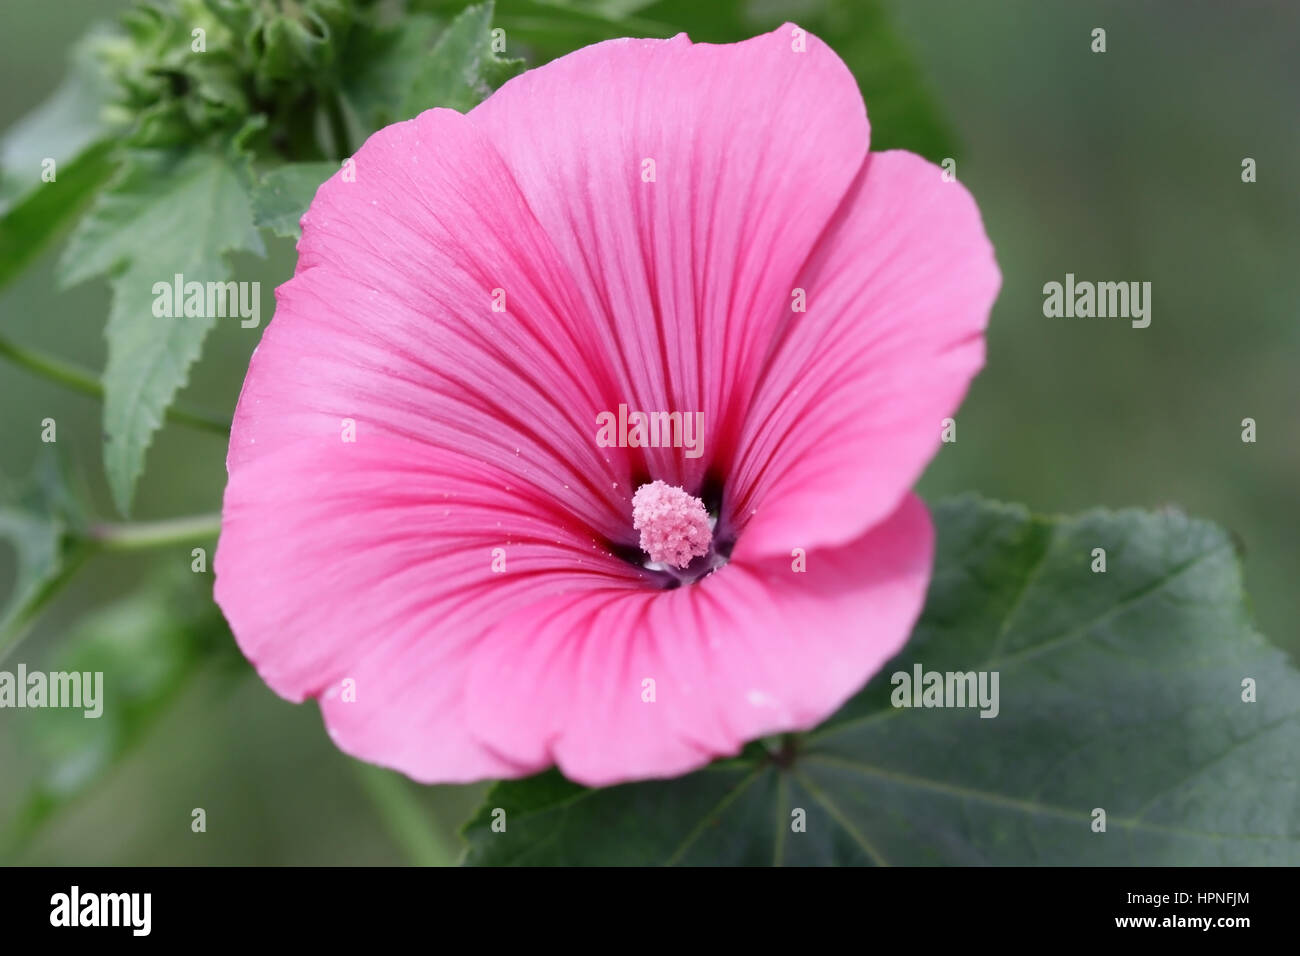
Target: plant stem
(127, 536)
(404, 817)
(140, 535)
(80, 380)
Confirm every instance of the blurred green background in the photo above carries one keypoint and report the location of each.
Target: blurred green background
(1116, 166)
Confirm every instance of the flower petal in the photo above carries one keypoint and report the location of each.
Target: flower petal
(376, 562)
(683, 278)
(854, 395)
(754, 649)
(389, 323)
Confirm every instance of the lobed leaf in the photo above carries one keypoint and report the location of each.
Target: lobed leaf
(170, 213)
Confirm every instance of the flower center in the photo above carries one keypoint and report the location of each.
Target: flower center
(674, 526)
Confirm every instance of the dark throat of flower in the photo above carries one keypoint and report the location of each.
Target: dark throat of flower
(681, 538)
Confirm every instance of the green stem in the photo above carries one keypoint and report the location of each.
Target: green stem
(405, 818)
(128, 536)
(80, 380)
(140, 535)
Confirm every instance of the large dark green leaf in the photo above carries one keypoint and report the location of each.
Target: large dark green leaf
(1120, 691)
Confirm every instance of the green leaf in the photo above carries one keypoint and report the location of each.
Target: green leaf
(400, 72)
(551, 28)
(1120, 690)
(147, 647)
(462, 70)
(385, 66)
(27, 227)
(44, 525)
(284, 194)
(62, 128)
(900, 104)
(170, 213)
(71, 129)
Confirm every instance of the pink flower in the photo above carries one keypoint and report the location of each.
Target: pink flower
(671, 226)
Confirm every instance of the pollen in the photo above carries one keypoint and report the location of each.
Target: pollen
(674, 525)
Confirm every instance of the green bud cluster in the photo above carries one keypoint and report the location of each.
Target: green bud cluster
(263, 72)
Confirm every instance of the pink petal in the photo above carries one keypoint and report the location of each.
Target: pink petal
(371, 560)
(389, 322)
(851, 405)
(754, 649)
(682, 279)
(374, 562)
